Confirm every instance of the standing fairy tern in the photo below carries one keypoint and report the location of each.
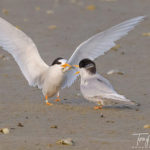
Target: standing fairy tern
(96, 88)
(59, 75)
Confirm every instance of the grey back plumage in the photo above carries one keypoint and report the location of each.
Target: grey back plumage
(96, 88)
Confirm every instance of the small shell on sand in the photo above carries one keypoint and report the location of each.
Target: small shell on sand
(113, 71)
(20, 125)
(25, 20)
(5, 11)
(4, 130)
(67, 141)
(37, 8)
(146, 34)
(91, 7)
(3, 57)
(147, 126)
(54, 126)
(78, 94)
(73, 1)
(116, 47)
(18, 27)
(110, 0)
(52, 27)
(49, 12)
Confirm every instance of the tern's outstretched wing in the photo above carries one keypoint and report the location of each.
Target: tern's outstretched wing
(98, 44)
(24, 51)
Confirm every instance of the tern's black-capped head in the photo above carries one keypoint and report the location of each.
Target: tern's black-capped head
(60, 64)
(59, 61)
(88, 64)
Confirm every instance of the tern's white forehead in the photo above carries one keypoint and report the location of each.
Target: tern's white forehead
(62, 61)
(59, 61)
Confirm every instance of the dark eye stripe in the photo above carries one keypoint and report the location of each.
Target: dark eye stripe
(85, 63)
(56, 61)
(89, 65)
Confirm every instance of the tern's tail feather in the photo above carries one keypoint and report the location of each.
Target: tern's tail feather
(123, 99)
(127, 101)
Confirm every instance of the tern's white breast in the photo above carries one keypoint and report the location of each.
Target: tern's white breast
(53, 81)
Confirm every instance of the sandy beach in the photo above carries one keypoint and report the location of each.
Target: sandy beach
(57, 27)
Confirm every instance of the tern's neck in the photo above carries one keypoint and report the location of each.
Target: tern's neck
(56, 70)
(85, 74)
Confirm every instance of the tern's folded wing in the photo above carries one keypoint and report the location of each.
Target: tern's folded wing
(101, 88)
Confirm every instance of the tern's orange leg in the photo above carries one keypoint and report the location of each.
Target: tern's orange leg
(100, 106)
(46, 100)
(58, 99)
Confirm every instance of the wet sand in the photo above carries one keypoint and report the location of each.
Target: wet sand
(75, 118)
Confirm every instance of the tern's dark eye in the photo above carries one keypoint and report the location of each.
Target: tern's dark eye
(57, 61)
(88, 65)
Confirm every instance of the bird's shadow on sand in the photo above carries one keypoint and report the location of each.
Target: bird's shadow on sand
(121, 107)
(83, 102)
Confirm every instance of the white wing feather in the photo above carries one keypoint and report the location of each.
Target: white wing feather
(97, 45)
(23, 50)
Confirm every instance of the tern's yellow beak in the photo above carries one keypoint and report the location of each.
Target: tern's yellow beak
(66, 65)
(77, 66)
(77, 72)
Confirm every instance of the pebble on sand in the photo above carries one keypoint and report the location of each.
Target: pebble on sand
(37, 8)
(20, 124)
(91, 7)
(5, 11)
(18, 27)
(110, 0)
(3, 57)
(147, 126)
(146, 34)
(113, 71)
(4, 130)
(116, 47)
(49, 12)
(54, 126)
(67, 141)
(52, 27)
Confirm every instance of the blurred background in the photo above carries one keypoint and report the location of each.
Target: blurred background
(57, 27)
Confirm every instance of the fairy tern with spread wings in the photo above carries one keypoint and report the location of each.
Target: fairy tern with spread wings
(96, 88)
(57, 76)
